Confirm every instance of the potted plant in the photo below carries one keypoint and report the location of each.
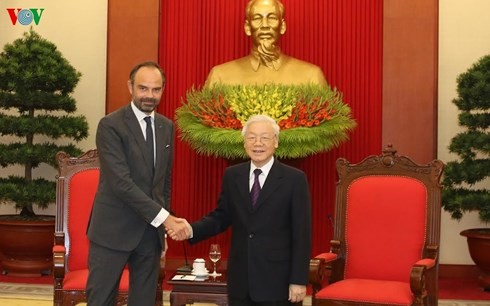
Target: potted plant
(466, 184)
(36, 108)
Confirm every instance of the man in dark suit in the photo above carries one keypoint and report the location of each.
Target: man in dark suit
(135, 146)
(271, 227)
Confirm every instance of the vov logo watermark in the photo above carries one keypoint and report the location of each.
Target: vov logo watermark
(25, 16)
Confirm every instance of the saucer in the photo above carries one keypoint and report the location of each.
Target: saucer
(204, 273)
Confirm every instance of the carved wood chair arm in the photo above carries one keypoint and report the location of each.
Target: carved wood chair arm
(59, 259)
(320, 268)
(418, 278)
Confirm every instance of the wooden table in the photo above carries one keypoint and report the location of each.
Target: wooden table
(209, 290)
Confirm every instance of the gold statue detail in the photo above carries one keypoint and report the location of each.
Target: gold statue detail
(266, 63)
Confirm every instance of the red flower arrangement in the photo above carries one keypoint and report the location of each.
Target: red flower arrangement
(312, 118)
(307, 115)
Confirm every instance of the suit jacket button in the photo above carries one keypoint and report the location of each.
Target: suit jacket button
(250, 236)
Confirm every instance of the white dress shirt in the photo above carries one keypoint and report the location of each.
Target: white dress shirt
(263, 176)
(163, 214)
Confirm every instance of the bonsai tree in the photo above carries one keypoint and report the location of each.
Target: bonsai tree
(37, 82)
(466, 184)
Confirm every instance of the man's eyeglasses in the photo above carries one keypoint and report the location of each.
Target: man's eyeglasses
(261, 139)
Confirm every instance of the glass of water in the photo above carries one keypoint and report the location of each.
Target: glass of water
(215, 256)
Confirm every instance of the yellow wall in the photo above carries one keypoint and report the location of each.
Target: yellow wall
(79, 29)
(464, 37)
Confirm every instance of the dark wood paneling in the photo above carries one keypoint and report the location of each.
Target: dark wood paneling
(458, 271)
(410, 77)
(133, 30)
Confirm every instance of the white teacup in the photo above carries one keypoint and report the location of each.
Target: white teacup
(199, 266)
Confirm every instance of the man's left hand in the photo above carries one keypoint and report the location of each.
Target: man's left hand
(296, 293)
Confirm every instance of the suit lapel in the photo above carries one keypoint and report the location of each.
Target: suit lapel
(160, 143)
(135, 129)
(272, 183)
(242, 184)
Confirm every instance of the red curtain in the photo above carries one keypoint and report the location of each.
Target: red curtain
(343, 37)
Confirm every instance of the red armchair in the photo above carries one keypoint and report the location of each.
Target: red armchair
(386, 234)
(77, 182)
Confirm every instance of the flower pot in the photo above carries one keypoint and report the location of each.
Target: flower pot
(26, 246)
(479, 246)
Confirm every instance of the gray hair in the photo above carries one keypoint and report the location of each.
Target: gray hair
(261, 118)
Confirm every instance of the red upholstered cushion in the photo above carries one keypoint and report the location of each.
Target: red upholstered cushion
(385, 227)
(368, 291)
(427, 262)
(58, 249)
(327, 256)
(77, 280)
(81, 193)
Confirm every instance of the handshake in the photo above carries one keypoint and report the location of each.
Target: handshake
(177, 228)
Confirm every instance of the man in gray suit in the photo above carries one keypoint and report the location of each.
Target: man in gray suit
(267, 205)
(135, 146)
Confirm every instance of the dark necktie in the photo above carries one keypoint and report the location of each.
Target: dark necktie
(149, 141)
(254, 193)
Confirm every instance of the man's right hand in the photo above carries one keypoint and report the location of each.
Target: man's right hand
(177, 228)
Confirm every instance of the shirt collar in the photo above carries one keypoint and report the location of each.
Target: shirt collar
(255, 61)
(139, 114)
(265, 168)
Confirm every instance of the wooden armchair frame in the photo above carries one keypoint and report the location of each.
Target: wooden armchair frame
(68, 168)
(329, 268)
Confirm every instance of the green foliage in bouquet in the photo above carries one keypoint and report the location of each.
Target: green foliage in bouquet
(460, 194)
(36, 83)
(312, 118)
